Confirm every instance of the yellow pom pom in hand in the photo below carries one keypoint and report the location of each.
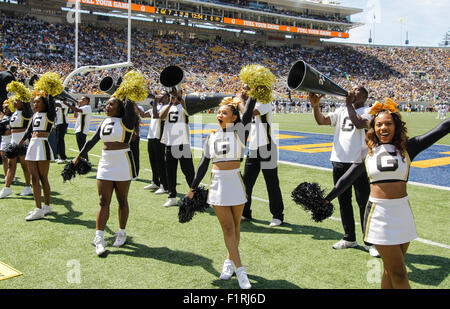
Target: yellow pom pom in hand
(260, 80)
(22, 93)
(133, 87)
(50, 83)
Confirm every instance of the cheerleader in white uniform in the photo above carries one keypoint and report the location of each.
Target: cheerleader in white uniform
(6, 136)
(39, 153)
(226, 147)
(389, 222)
(19, 122)
(116, 167)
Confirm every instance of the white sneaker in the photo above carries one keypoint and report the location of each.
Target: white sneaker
(171, 201)
(227, 270)
(120, 239)
(26, 191)
(344, 244)
(5, 192)
(151, 186)
(47, 209)
(100, 245)
(60, 161)
(372, 251)
(161, 190)
(36, 214)
(242, 278)
(275, 222)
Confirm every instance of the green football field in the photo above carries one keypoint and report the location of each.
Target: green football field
(161, 253)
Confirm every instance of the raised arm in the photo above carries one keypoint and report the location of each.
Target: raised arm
(129, 118)
(419, 143)
(321, 119)
(73, 107)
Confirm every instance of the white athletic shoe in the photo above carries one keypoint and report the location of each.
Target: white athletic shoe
(60, 161)
(26, 191)
(36, 214)
(372, 251)
(100, 245)
(171, 201)
(227, 270)
(151, 186)
(241, 275)
(47, 209)
(275, 222)
(5, 192)
(161, 190)
(344, 244)
(120, 239)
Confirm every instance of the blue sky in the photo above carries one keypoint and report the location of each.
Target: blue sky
(426, 21)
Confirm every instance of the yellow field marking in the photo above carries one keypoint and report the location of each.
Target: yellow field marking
(7, 271)
(285, 136)
(202, 131)
(431, 162)
(309, 148)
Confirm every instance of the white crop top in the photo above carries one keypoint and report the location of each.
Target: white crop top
(387, 165)
(17, 120)
(113, 130)
(224, 146)
(41, 123)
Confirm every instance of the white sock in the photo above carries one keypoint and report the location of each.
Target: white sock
(121, 231)
(99, 233)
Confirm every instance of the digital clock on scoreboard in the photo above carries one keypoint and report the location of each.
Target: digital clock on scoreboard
(189, 15)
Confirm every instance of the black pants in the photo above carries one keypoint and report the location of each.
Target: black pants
(61, 130)
(362, 191)
(81, 140)
(174, 154)
(156, 151)
(254, 163)
(134, 147)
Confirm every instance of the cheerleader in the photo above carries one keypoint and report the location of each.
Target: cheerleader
(39, 153)
(116, 167)
(6, 135)
(19, 122)
(226, 147)
(389, 222)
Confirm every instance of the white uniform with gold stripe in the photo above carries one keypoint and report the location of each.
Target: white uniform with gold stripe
(226, 187)
(388, 221)
(39, 148)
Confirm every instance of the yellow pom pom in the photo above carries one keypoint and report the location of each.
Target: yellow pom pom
(260, 80)
(50, 83)
(11, 104)
(22, 93)
(133, 87)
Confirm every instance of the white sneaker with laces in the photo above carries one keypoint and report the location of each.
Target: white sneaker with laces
(241, 274)
(275, 222)
(161, 190)
(121, 237)
(47, 209)
(36, 214)
(344, 244)
(26, 191)
(5, 192)
(171, 201)
(372, 251)
(151, 187)
(100, 245)
(227, 270)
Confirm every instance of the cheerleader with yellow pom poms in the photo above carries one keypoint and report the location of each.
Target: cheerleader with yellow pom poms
(5, 132)
(116, 167)
(19, 104)
(39, 153)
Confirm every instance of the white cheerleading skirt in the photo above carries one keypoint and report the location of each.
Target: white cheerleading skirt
(16, 137)
(6, 139)
(226, 188)
(39, 150)
(116, 165)
(389, 221)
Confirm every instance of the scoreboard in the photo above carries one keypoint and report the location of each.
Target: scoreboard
(190, 15)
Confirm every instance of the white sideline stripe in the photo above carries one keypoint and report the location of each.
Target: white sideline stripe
(94, 155)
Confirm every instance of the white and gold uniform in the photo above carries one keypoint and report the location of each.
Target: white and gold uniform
(39, 148)
(19, 124)
(6, 137)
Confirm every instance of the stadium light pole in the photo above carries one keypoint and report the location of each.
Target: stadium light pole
(77, 17)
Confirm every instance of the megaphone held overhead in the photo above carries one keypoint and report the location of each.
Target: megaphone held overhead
(303, 77)
(108, 85)
(197, 102)
(64, 95)
(171, 77)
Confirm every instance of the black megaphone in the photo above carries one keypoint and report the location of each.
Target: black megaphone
(170, 77)
(64, 95)
(108, 85)
(303, 77)
(197, 102)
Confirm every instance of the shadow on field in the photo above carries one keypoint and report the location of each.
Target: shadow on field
(165, 254)
(257, 282)
(427, 269)
(262, 226)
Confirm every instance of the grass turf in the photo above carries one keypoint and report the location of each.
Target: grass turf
(160, 253)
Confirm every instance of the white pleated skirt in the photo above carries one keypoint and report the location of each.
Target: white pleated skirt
(116, 165)
(226, 188)
(39, 150)
(6, 139)
(16, 137)
(389, 221)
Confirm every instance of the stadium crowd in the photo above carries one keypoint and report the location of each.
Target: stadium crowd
(213, 66)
